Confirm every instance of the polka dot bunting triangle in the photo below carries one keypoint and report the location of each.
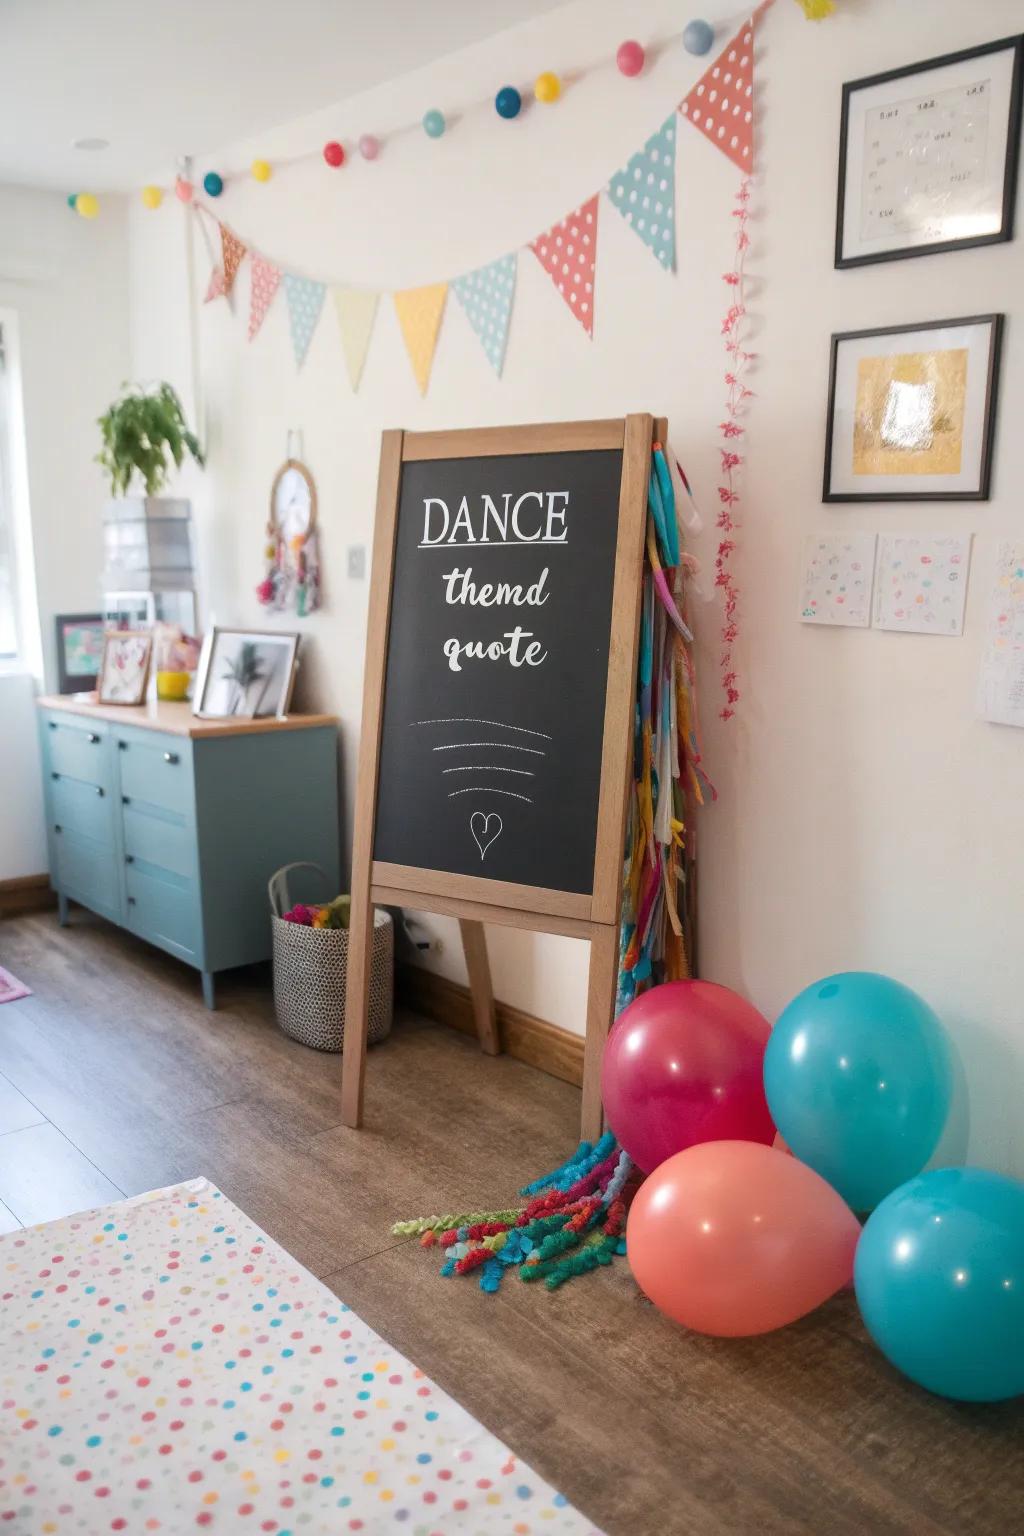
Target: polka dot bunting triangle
(486, 296)
(568, 254)
(721, 104)
(644, 193)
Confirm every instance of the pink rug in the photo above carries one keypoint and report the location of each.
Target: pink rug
(11, 988)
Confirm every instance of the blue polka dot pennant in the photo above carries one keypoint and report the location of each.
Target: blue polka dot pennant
(305, 301)
(486, 296)
(644, 192)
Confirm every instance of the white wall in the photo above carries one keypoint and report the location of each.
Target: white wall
(866, 818)
(66, 282)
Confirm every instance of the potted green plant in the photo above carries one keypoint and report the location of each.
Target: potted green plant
(140, 429)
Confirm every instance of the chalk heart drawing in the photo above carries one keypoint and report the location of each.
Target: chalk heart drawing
(485, 830)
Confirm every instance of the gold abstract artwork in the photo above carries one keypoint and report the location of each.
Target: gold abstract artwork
(909, 415)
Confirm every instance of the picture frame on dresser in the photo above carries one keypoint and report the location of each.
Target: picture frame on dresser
(124, 668)
(79, 638)
(246, 674)
(929, 155)
(912, 410)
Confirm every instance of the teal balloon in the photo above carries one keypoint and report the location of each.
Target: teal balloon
(858, 1078)
(939, 1276)
(508, 102)
(698, 37)
(213, 184)
(433, 123)
(72, 199)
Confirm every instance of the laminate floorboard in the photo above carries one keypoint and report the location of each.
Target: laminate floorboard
(650, 1430)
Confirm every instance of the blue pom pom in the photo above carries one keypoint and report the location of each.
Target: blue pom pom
(508, 102)
(213, 185)
(698, 37)
(433, 123)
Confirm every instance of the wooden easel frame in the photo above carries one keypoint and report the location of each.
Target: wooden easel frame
(470, 898)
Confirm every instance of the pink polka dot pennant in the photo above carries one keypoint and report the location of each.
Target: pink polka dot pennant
(568, 254)
(264, 284)
(721, 104)
(215, 288)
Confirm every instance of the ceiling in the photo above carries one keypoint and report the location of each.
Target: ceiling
(163, 78)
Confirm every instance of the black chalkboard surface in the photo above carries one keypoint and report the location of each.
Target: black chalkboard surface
(497, 666)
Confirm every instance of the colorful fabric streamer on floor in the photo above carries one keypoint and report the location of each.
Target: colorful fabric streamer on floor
(669, 782)
(575, 1221)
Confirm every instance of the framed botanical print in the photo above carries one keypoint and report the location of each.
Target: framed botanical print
(911, 411)
(246, 673)
(124, 670)
(928, 155)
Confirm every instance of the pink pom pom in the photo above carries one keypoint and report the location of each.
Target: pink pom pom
(183, 190)
(630, 57)
(369, 146)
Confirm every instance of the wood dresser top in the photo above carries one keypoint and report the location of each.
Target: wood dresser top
(177, 719)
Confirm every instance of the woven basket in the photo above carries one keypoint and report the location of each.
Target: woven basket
(310, 971)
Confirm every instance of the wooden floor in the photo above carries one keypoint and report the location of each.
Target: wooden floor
(116, 1080)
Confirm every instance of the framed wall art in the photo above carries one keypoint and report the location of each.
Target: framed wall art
(911, 411)
(928, 155)
(124, 670)
(246, 674)
(80, 639)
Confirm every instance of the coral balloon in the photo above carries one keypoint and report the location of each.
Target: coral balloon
(859, 1081)
(369, 146)
(334, 153)
(630, 57)
(547, 87)
(183, 190)
(731, 1238)
(684, 1064)
(939, 1274)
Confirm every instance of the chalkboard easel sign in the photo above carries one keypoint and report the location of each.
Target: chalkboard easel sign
(495, 757)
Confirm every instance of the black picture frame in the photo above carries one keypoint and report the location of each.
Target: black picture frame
(1010, 165)
(75, 682)
(995, 322)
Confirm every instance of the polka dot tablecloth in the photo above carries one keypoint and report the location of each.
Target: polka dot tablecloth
(164, 1367)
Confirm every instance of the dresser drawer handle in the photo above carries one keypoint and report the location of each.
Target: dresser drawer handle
(58, 828)
(52, 724)
(129, 858)
(125, 800)
(93, 738)
(131, 901)
(122, 746)
(99, 789)
(170, 757)
(54, 775)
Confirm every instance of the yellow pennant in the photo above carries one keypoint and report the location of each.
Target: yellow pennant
(356, 310)
(419, 313)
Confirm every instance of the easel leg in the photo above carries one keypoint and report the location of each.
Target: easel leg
(474, 945)
(603, 979)
(357, 1006)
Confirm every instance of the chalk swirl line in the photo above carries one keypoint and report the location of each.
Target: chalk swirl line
(503, 746)
(475, 720)
(524, 773)
(487, 789)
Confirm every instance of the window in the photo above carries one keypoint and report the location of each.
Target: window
(8, 573)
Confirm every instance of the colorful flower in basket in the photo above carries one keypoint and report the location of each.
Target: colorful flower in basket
(300, 913)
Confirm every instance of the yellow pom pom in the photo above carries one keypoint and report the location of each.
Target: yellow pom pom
(547, 87)
(87, 204)
(261, 170)
(152, 197)
(816, 10)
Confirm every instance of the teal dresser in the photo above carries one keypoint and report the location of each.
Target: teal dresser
(171, 826)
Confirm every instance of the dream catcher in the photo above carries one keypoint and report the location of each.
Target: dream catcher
(292, 578)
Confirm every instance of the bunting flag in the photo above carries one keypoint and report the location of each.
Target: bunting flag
(233, 254)
(721, 104)
(357, 309)
(644, 192)
(305, 300)
(263, 285)
(419, 313)
(486, 297)
(215, 288)
(568, 254)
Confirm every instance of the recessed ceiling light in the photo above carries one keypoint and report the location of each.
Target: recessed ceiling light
(91, 144)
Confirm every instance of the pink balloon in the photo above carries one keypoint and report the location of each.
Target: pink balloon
(684, 1064)
(369, 146)
(183, 190)
(630, 57)
(731, 1238)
